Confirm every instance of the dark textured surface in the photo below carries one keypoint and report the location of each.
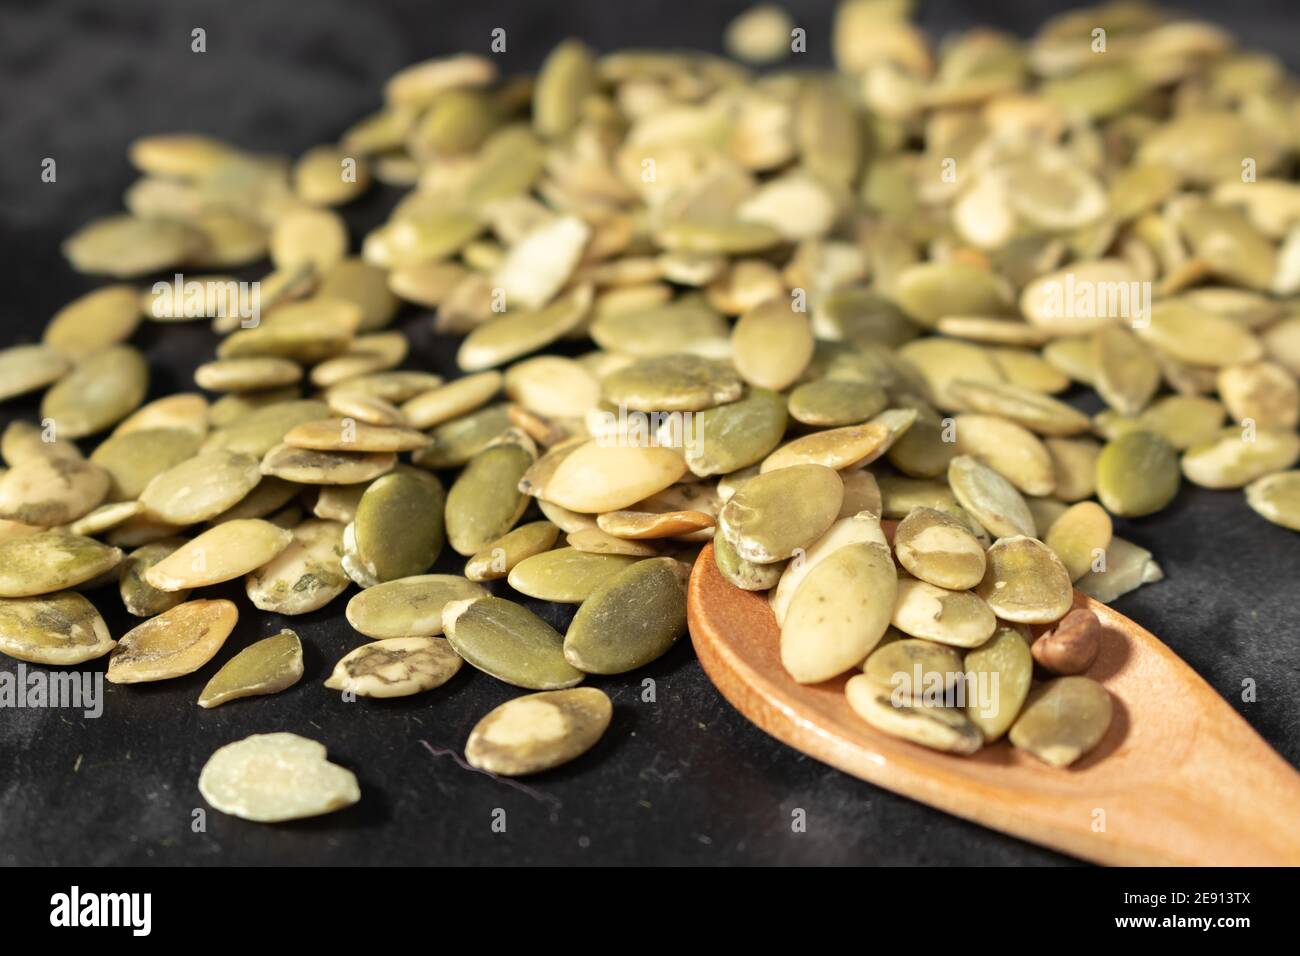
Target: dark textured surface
(681, 780)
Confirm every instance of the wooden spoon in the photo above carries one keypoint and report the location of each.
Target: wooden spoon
(1178, 779)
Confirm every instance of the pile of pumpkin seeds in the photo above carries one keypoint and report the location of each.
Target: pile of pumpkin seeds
(834, 321)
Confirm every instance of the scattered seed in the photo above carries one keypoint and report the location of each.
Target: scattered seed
(395, 667)
(50, 561)
(1026, 582)
(509, 642)
(1063, 720)
(269, 778)
(267, 667)
(538, 732)
(175, 643)
(56, 629)
(409, 607)
(223, 553)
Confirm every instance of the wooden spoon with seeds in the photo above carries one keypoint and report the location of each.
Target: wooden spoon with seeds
(1179, 779)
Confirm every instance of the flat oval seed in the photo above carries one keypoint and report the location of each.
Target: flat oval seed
(1012, 451)
(342, 434)
(1074, 464)
(771, 344)
(672, 383)
(507, 337)
(1000, 672)
(736, 435)
(306, 575)
(592, 540)
(456, 442)
(309, 467)
(125, 247)
(839, 612)
(409, 607)
(596, 478)
(1026, 582)
(1277, 498)
(51, 491)
(1039, 413)
(539, 731)
(1063, 720)
(96, 320)
(992, 500)
(631, 620)
(141, 598)
(105, 517)
(52, 561)
(1197, 336)
(26, 368)
(1239, 456)
(228, 551)
(202, 487)
(396, 667)
(57, 629)
(566, 575)
(452, 400)
(777, 513)
(933, 290)
(509, 642)
(957, 618)
(23, 440)
(98, 393)
(269, 778)
(485, 501)
(175, 643)
(1137, 474)
(1127, 375)
(937, 548)
(744, 574)
(913, 668)
(838, 448)
(939, 728)
(1263, 392)
(639, 525)
(860, 528)
(260, 430)
(503, 555)
(134, 458)
(829, 402)
(398, 529)
(246, 374)
(1080, 537)
(267, 667)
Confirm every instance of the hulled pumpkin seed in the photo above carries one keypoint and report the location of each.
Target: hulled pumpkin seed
(1137, 474)
(629, 620)
(999, 671)
(1038, 413)
(396, 667)
(498, 559)
(775, 514)
(98, 393)
(201, 487)
(139, 596)
(538, 732)
(829, 402)
(1126, 374)
(1236, 457)
(1026, 582)
(592, 540)
(306, 575)
(840, 448)
(672, 383)
(257, 431)
(1277, 498)
(644, 524)
(26, 368)
(398, 530)
(267, 667)
(456, 442)
(409, 607)
(509, 642)
(51, 561)
(937, 548)
(175, 643)
(930, 725)
(957, 618)
(269, 778)
(56, 629)
(1080, 537)
(451, 401)
(744, 574)
(309, 467)
(992, 500)
(95, 321)
(223, 553)
(771, 345)
(246, 374)
(736, 435)
(134, 458)
(597, 478)
(520, 332)
(1063, 720)
(126, 247)
(485, 501)
(51, 491)
(1012, 451)
(913, 668)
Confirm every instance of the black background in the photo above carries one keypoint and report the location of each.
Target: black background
(682, 780)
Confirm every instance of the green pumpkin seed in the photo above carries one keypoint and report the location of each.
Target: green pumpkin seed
(775, 514)
(57, 629)
(594, 541)
(538, 732)
(261, 429)
(684, 325)
(456, 442)
(1063, 720)
(1080, 537)
(140, 597)
(362, 284)
(270, 495)
(173, 644)
(125, 247)
(992, 500)
(939, 728)
(1182, 420)
(861, 316)
(1236, 457)
(246, 374)
(913, 668)
(566, 575)
(518, 333)
(502, 556)
(51, 491)
(485, 501)
(840, 448)
(1277, 498)
(98, 393)
(828, 402)
(672, 383)
(396, 667)
(134, 458)
(744, 574)
(1026, 582)
(639, 525)
(201, 487)
(93, 322)
(232, 408)
(957, 618)
(1074, 465)
(223, 553)
(23, 441)
(772, 344)
(1081, 298)
(1263, 392)
(267, 667)
(451, 401)
(630, 620)
(1127, 568)
(937, 548)
(309, 467)
(398, 530)
(26, 368)
(341, 434)
(1197, 336)
(50, 561)
(736, 435)
(306, 575)
(931, 291)
(187, 411)
(1010, 450)
(596, 478)
(1126, 374)
(553, 386)
(409, 607)
(944, 362)
(730, 238)
(1038, 413)
(269, 778)
(105, 517)
(1003, 667)
(509, 642)
(1137, 474)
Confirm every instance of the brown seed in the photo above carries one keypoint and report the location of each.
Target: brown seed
(1071, 646)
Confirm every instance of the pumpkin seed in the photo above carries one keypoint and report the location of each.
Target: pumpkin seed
(201, 487)
(630, 620)
(519, 332)
(1235, 457)
(306, 575)
(1263, 392)
(456, 442)
(26, 368)
(485, 501)
(1126, 375)
(269, 778)
(502, 556)
(93, 322)
(175, 643)
(187, 411)
(310, 467)
(944, 362)
(1127, 568)
(451, 401)
(672, 383)
(566, 575)
(51, 491)
(49, 561)
(1197, 336)
(771, 345)
(1182, 420)
(396, 667)
(133, 459)
(735, 435)
(840, 448)
(266, 667)
(246, 374)
(398, 530)
(1081, 298)
(596, 478)
(1026, 582)
(594, 541)
(340, 434)
(662, 524)
(140, 597)
(1038, 413)
(98, 393)
(1277, 498)
(1010, 450)
(776, 513)
(1063, 720)
(912, 667)
(683, 325)
(56, 629)
(409, 607)
(744, 574)
(223, 553)
(23, 441)
(105, 517)
(125, 247)
(957, 618)
(362, 284)
(937, 548)
(931, 291)
(829, 402)
(538, 732)
(939, 728)
(1137, 474)
(1079, 537)
(261, 429)
(992, 500)
(1074, 465)
(509, 642)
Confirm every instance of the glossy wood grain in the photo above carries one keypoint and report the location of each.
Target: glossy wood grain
(1180, 778)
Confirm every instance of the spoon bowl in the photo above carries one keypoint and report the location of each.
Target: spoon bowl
(1179, 779)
